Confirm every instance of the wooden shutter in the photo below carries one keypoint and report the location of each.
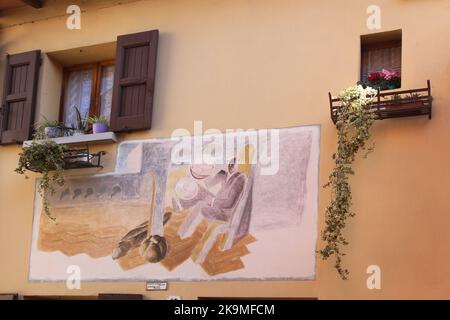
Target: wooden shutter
(19, 96)
(134, 81)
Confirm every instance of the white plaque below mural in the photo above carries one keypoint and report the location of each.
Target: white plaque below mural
(156, 286)
(154, 219)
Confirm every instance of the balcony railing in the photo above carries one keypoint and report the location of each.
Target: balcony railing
(78, 156)
(394, 104)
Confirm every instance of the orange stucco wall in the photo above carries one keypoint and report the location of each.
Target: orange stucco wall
(265, 64)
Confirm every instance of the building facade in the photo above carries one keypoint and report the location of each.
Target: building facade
(258, 64)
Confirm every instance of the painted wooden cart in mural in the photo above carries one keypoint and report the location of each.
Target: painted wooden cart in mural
(156, 219)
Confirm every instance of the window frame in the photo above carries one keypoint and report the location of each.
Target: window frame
(97, 69)
(381, 40)
(384, 44)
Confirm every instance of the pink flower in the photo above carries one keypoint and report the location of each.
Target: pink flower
(388, 75)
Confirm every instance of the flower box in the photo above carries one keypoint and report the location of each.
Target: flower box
(395, 103)
(383, 80)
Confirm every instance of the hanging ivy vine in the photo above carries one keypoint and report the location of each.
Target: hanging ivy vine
(48, 159)
(353, 123)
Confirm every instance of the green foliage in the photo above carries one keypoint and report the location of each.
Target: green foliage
(47, 158)
(82, 122)
(414, 96)
(396, 98)
(50, 123)
(353, 124)
(97, 119)
(39, 133)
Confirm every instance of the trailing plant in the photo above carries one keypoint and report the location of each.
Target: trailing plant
(47, 158)
(353, 123)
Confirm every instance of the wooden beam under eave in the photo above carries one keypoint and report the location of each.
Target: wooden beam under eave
(33, 3)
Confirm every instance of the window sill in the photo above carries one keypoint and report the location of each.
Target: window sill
(86, 139)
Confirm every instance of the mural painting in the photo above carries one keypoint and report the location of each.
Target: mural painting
(154, 219)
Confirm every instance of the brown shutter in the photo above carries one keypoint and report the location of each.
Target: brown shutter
(19, 96)
(134, 81)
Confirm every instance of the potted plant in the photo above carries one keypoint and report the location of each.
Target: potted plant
(48, 129)
(80, 127)
(414, 100)
(99, 124)
(396, 101)
(392, 101)
(47, 158)
(383, 80)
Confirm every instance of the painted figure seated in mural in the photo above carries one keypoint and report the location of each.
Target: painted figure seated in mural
(216, 196)
(223, 204)
(198, 193)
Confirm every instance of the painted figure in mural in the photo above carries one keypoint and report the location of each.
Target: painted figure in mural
(223, 204)
(196, 191)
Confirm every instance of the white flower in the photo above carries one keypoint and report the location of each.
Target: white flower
(357, 96)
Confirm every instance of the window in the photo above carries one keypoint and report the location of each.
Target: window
(106, 89)
(121, 89)
(381, 59)
(88, 88)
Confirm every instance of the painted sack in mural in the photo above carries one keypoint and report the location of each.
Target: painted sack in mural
(154, 218)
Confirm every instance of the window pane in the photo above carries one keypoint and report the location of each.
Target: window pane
(106, 88)
(377, 59)
(78, 94)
